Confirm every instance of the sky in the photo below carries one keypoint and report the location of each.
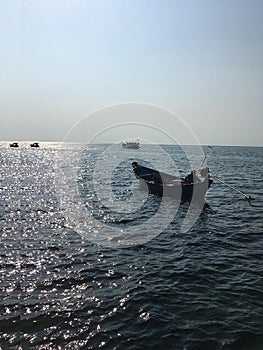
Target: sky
(63, 60)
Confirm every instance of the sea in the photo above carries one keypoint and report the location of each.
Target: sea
(90, 261)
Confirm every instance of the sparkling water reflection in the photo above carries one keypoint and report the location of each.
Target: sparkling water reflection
(59, 290)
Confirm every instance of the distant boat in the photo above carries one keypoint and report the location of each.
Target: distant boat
(162, 184)
(14, 144)
(131, 144)
(35, 144)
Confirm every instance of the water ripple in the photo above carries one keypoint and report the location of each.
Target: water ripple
(200, 290)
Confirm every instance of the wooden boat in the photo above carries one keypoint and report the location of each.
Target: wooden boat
(34, 144)
(193, 186)
(14, 144)
(131, 144)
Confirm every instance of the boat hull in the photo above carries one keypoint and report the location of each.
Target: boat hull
(171, 186)
(184, 192)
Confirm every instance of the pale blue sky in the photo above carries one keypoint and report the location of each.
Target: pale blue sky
(63, 59)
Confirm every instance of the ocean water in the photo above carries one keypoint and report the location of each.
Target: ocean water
(88, 261)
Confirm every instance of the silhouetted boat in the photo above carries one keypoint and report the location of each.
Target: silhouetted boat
(35, 144)
(193, 186)
(14, 144)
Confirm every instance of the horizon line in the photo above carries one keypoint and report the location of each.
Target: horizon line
(119, 142)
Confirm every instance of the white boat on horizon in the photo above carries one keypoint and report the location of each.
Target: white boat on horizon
(131, 144)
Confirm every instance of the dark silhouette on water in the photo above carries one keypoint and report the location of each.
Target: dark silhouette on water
(14, 144)
(35, 144)
(162, 184)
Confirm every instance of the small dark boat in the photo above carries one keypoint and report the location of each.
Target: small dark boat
(194, 186)
(35, 144)
(14, 144)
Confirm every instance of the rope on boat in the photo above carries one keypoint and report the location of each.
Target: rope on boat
(247, 197)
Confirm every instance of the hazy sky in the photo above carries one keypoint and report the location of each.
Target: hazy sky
(60, 60)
